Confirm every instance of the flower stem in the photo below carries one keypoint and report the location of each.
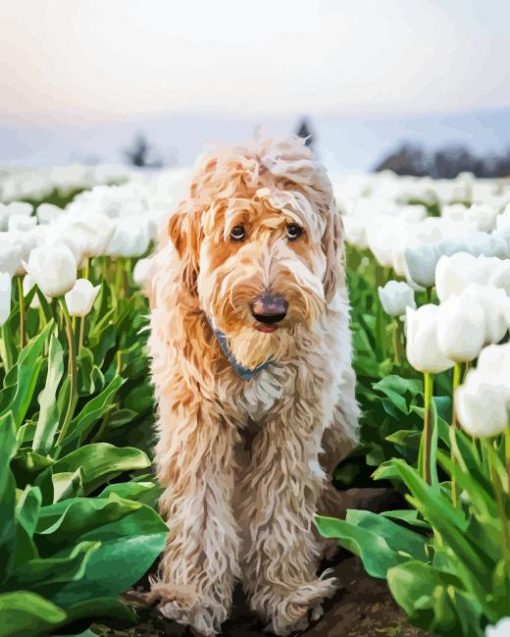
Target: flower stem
(426, 441)
(507, 457)
(396, 341)
(21, 301)
(457, 373)
(73, 395)
(5, 353)
(500, 499)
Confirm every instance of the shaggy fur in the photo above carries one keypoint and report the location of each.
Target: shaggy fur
(245, 465)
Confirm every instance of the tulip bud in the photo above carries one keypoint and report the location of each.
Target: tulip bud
(48, 212)
(5, 296)
(11, 254)
(395, 297)
(141, 271)
(501, 629)
(81, 298)
(53, 269)
(130, 239)
(482, 404)
(460, 329)
(422, 347)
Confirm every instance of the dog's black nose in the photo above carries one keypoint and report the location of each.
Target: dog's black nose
(269, 309)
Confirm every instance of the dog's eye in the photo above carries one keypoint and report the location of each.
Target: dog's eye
(294, 231)
(237, 233)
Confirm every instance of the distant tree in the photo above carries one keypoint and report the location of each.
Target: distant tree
(141, 154)
(445, 163)
(406, 160)
(304, 131)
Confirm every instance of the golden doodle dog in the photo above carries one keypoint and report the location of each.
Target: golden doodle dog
(251, 363)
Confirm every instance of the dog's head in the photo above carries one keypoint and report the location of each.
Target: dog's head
(259, 241)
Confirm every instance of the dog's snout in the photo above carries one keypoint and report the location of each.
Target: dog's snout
(269, 309)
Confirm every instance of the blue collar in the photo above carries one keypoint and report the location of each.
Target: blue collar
(243, 372)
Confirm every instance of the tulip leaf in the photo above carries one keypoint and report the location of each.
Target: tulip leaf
(48, 420)
(28, 367)
(131, 535)
(7, 494)
(100, 461)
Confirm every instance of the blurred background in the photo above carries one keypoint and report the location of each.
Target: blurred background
(420, 87)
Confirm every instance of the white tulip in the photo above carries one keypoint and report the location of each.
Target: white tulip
(53, 269)
(81, 298)
(380, 235)
(11, 254)
(141, 271)
(460, 329)
(496, 308)
(454, 273)
(482, 405)
(422, 347)
(93, 231)
(395, 297)
(5, 296)
(21, 223)
(130, 239)
(501, 629)
(48, 212)
(355, 232)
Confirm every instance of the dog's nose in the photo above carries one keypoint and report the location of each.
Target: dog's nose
(269, 309)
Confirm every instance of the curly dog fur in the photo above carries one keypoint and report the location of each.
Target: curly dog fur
(245, 464)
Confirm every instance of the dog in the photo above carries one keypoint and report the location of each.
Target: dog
(250, 351)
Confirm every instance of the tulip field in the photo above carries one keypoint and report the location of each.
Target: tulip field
(428, 267)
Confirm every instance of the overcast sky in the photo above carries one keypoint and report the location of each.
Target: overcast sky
(102, 59)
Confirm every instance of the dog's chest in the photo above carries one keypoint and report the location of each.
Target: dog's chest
(259, 396)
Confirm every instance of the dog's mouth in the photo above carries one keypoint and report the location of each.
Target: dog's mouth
(266, 329)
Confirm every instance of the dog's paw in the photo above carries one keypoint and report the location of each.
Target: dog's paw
(183, 605)
(292, 612)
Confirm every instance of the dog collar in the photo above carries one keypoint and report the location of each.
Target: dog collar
(246, 373)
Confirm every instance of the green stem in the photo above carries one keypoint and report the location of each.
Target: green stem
(426, 441)
(396, 342)
(81, 337)
(21, 301)
(500, 499)
(457, 374)
(73, 395)
(507, 457)
(4, 351)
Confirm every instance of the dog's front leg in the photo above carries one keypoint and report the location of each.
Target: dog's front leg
(281, 489)
(200, 563)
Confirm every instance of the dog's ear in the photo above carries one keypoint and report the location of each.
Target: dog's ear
(332, 244)
(184, 231)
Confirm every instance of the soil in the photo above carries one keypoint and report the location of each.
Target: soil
(362, 607)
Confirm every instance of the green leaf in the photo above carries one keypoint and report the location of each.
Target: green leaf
(48, 575)
(145, 492)
(132, 536)
(68, 484)
(100, 461)
(28, 368)
(48, 420)
(28, 507)
(25, 614)
(7, 494)
(434, 600)
(366, 541)
(92, 412)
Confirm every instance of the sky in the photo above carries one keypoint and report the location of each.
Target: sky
(67, 62)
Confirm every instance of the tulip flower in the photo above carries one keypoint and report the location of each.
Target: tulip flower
(81, 297)
(5, 296)
(53, 270)
(454, 273)
(130, 239)
(396, 297)
(460, 329)
(423, 351)
(501, 629)
(48, 212)
(141, 271)
(11, 254)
